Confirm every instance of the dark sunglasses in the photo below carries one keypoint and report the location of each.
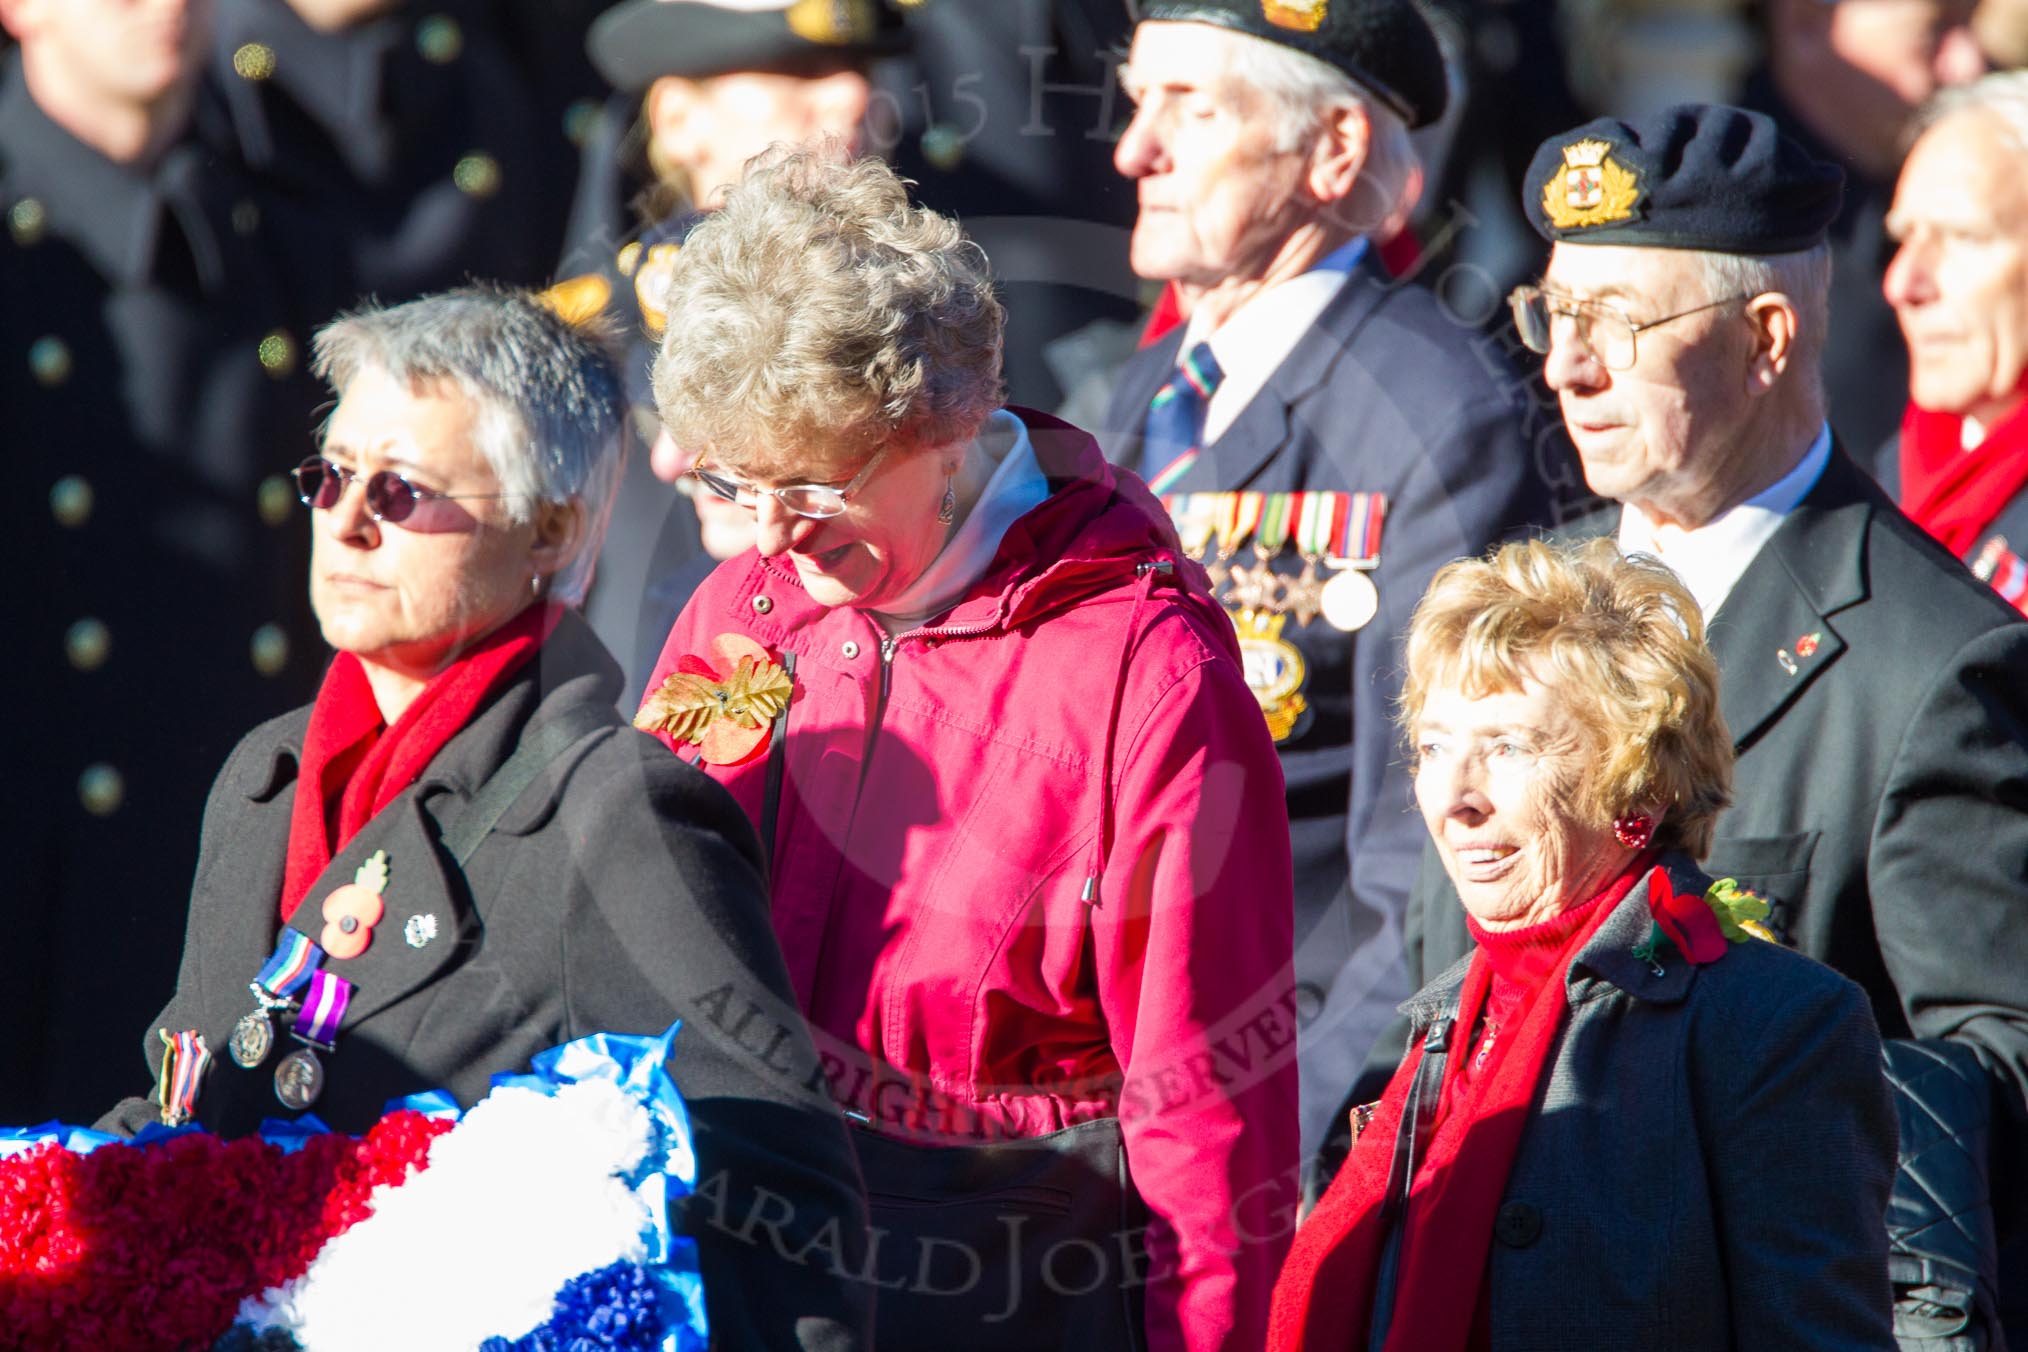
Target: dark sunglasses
(389, 497)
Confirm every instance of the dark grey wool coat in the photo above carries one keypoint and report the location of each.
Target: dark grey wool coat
(620, 891)
(1708, 1160)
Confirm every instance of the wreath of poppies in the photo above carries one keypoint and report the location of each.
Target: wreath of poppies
(558, 1182)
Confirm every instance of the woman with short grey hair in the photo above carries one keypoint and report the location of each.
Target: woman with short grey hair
(459, 847)
(1029, 853)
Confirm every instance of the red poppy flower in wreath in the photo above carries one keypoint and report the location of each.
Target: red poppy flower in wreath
(725, 707)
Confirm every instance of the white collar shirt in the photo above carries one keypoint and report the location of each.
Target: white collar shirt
(1259, 335)
(1711, 558)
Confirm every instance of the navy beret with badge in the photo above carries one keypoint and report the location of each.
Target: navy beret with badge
(638, 41)
(1385, 46)
(1696, 176)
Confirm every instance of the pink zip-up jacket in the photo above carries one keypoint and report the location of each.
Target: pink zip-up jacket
(1031, 867)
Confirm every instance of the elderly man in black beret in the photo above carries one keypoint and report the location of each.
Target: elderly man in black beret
(1876, 691)
(1325, 436)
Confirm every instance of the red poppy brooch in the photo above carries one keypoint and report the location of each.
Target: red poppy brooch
(725, 706)
(1700, 927)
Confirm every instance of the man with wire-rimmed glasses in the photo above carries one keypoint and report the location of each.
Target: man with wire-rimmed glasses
(1877, 693)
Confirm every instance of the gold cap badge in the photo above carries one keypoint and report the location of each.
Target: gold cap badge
(651, 286)
(578, 299)
(834, 23)
(1591, 188)
(1304, 16)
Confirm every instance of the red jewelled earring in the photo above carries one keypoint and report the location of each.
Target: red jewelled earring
(1633, 830)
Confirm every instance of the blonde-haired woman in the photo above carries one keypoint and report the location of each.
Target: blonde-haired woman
(1030, 859)
(1625, 1120)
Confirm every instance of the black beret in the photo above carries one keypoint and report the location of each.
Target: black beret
(635, 43)
(1386, 46)
(1696, 176)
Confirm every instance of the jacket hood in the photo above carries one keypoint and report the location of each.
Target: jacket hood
(1098, 526)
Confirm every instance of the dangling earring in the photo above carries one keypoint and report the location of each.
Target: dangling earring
(535, 585)
(1633, 830)
(947, 510)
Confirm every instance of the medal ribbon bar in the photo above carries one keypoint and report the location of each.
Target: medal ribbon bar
(323, 1010)
(185, 1058)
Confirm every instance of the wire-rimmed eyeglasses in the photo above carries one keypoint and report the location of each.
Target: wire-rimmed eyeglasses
(816, 501)
(1604, 331)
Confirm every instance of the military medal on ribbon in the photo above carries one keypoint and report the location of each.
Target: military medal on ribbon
(299, 1079)
(1350, 600)
(286, 971)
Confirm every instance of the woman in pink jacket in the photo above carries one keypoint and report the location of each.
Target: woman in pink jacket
(1031, 858)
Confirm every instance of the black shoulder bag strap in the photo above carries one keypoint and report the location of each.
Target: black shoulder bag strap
(1410, 1138)
(463, 832)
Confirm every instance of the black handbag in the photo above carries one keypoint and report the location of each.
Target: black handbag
(1038, 1242)
(1030, 1243)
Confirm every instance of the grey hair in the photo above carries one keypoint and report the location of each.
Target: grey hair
(2003, 95)
(1804, 277)
(1303, 91)
(545, 393)
(819, 307)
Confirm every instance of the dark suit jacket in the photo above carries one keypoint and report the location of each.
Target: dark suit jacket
(1880, 801)
(620, 891)
(1389, 393)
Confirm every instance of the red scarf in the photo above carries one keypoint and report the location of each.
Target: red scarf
(1323, 1301)
(1953, 493)
(351, 768)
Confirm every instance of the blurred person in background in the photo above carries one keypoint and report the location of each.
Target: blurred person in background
(434, 137)
(702, 87)
(1325, 438)
(1959, 286)
(1845, 80)
(154, 303)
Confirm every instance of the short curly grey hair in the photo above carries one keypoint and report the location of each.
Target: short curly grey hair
(818, 307)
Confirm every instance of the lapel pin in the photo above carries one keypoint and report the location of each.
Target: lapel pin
(351, 912)
(1806, 646)
(1788, 663)
(419, 930)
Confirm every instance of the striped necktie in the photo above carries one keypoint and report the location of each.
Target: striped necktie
(1175, 425)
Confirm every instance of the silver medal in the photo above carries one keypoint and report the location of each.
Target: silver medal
(299, 1079)
(252, 1038)
(1349, 601)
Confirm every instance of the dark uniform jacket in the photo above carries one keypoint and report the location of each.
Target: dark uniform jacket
(622, 890)
(153, 396)
(1388, 393)
(437, 137)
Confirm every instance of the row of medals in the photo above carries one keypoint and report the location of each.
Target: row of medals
(299, 1076)
(1261, 600)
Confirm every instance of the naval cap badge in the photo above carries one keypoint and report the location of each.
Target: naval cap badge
(1590, 187)
(1301, 16)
